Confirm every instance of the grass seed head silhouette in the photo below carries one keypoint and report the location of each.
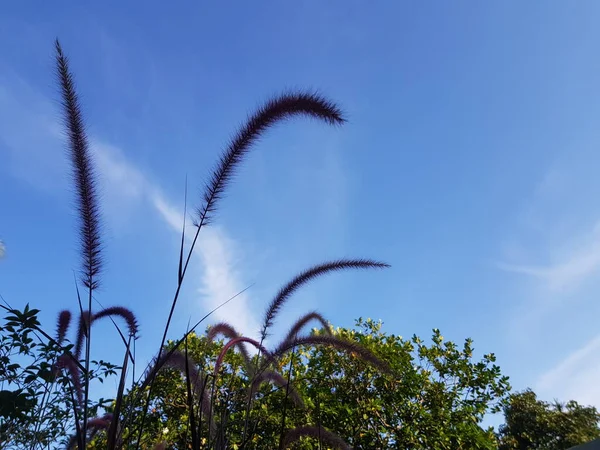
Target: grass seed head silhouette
(236, 342)
(274, 110)
(86, 200)
(119, 311)
(227, 330)
(84, 318)
(307, 276)
(304, 320)
(352, 348)
(83, 175)
(113, 311)
(291, 341)
(64, 319)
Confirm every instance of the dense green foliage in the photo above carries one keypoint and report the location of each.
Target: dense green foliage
(436, 398)
(534, 424)
(36, 406)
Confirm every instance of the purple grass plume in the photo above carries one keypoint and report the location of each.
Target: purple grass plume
(229, 332)
(119, 311)
(84, 318)
(237, 341)
(352, 348)
(83, 175)
(302, 322)
(64, 319)
(308, 275)
(275, 110)
(100, 423)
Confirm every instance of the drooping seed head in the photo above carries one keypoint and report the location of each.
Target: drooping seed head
(122, 312)
(230, 332)
(273, 111)
(302, 322)
(308, 275)
(64, 319)
(237, 341)
(337, 343)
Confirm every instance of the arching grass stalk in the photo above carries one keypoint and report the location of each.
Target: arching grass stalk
(86, 201)
(275, 110)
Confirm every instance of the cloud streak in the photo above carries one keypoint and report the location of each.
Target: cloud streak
(215, 250)
(573, 268)
(37, 159)
(559, 227)
(576, 376)
(562, 218)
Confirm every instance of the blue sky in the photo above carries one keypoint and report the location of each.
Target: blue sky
(469, 163)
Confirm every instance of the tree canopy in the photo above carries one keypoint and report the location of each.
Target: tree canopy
(531, 423)
(435, 397)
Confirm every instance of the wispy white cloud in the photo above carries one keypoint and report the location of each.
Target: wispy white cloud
(575, 377)
(28, 135)
(218, 253)
(129, 191)
(124, 187)
(558, 226)
(572, 268)
(554, 255)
